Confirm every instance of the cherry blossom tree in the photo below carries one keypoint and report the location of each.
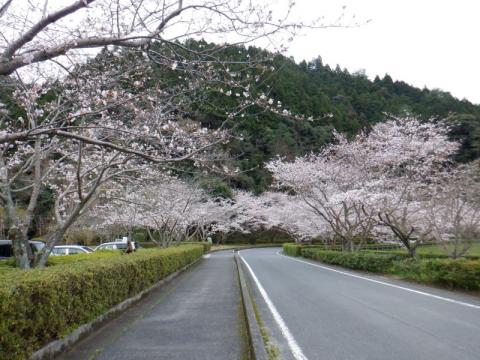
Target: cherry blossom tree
(169, 209)
(247, 213)
(380, 178)
(454, 209)
(412, 157)
(36, 31)
(40, 37)
(109, 104)
(331, 184)
(288, 214)
(111, 137)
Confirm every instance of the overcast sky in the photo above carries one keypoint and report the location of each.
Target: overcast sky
(433, 43)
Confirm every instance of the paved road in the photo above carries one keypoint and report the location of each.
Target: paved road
(196, 316)
(331, 315)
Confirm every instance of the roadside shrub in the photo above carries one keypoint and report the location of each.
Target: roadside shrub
(41, 305)
(459, 274)
(453, 274)
(148, 245)
(420, 255)
(206, 244)
(292, 249)
(354, 260)
(139, 236)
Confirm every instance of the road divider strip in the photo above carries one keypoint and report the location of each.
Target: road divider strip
(438, 297)
(292, 343)
(257, 346)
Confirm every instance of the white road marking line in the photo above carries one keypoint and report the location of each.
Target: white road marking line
(293, 345)
(206, 256)
(385, 283)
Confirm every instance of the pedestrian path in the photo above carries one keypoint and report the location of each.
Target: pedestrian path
(196, 316)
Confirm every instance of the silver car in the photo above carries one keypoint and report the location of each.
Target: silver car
(70, 250)
(116, 245)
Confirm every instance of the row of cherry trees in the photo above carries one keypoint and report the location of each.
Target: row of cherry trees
(82, 118)
(394, 183)
(104, 139)
(172, 210)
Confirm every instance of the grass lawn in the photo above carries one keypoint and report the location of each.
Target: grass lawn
(438, 250)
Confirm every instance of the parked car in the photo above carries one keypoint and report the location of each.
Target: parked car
(6, 249)
(70, 250)
(116, 245)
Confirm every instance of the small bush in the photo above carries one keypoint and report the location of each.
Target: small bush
(42, 305)
(354, 260)
(206, 244)
(139, 236)
(292, 249)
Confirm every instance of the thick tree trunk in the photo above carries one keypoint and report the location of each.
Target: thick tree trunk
(20, 246)
(41, 258)
(412, 250)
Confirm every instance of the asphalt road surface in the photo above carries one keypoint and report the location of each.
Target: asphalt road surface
(196, 316)
(314, 312)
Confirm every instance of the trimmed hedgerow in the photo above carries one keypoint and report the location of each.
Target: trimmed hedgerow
(207, 245)
(295, 249)
(354, 260)
(460, 274)
(420, 255)
(292, 249)
(41, 305)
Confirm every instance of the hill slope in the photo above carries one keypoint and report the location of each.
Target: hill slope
(314, 89)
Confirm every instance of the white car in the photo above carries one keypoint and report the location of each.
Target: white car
(115, 245)
(70, 250)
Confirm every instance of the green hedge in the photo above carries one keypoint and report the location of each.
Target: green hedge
(292, 249)
(42, 305)
(354, 260)
(461, 274)
(206, 244)
(366, 247)
(420, 255)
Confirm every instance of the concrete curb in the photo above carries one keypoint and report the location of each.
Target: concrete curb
(49, 351)
(257, 346)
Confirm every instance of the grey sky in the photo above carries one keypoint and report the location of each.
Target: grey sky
(423, 42)
(433, 43)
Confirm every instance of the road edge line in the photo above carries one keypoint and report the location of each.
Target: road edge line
(419, 292)
(292, 343)
(57, 347)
